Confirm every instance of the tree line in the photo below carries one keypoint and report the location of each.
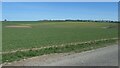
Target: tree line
(68, 20)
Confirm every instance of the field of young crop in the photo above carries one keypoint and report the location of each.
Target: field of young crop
(25, 35)
(21, 40)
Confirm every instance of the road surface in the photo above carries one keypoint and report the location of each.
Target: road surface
(107, 56)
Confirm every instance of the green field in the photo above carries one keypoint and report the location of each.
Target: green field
(42, 34)
(17, 36)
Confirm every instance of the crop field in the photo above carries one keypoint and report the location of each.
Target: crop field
(17, 36)
(25, 35)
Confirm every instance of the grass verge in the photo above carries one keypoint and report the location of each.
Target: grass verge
(9, 57)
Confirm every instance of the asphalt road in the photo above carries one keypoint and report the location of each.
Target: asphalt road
(107, 56)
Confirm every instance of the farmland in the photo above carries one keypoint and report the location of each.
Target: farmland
(27, 35)
(46, 34)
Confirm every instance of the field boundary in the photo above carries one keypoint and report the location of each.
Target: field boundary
(62, 45)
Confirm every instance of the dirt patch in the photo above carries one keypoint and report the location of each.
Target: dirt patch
(15, 26)
(111, 26)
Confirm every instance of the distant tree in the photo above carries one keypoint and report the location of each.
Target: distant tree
(5, 20)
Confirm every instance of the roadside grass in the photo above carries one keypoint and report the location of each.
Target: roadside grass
(9, 57)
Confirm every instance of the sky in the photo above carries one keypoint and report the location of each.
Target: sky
(60, 0)
(33, 11)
